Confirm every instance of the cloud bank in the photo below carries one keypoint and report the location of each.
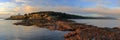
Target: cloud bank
(73, 6)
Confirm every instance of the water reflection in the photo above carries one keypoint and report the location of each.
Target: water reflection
(8, 31)
(100, 22)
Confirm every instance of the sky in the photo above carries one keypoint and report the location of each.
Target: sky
(92, 7)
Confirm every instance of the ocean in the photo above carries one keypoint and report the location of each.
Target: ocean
(8, 31)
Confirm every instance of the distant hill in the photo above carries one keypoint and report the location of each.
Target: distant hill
(53, 15)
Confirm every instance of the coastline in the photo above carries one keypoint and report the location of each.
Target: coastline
(78, 31)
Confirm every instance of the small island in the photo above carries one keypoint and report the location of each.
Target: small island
(60, 21)
(52, 14)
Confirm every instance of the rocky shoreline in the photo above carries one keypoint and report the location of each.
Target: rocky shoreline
(78, 31)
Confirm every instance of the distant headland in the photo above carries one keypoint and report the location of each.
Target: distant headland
(60, 21)
(52, 14)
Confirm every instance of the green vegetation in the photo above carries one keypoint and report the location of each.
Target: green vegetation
(51, 15)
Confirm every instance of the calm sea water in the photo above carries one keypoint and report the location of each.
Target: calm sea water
(100, 22)
(8, 31)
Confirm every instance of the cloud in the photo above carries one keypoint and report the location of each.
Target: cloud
(28, 6)
(7, 7)
(91, 0)
(22, 0)
(26, 9)
(97, 10)
(103, 10)
(8, 4)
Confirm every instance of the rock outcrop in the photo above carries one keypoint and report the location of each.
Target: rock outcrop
(52, 15)
(78, 31)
